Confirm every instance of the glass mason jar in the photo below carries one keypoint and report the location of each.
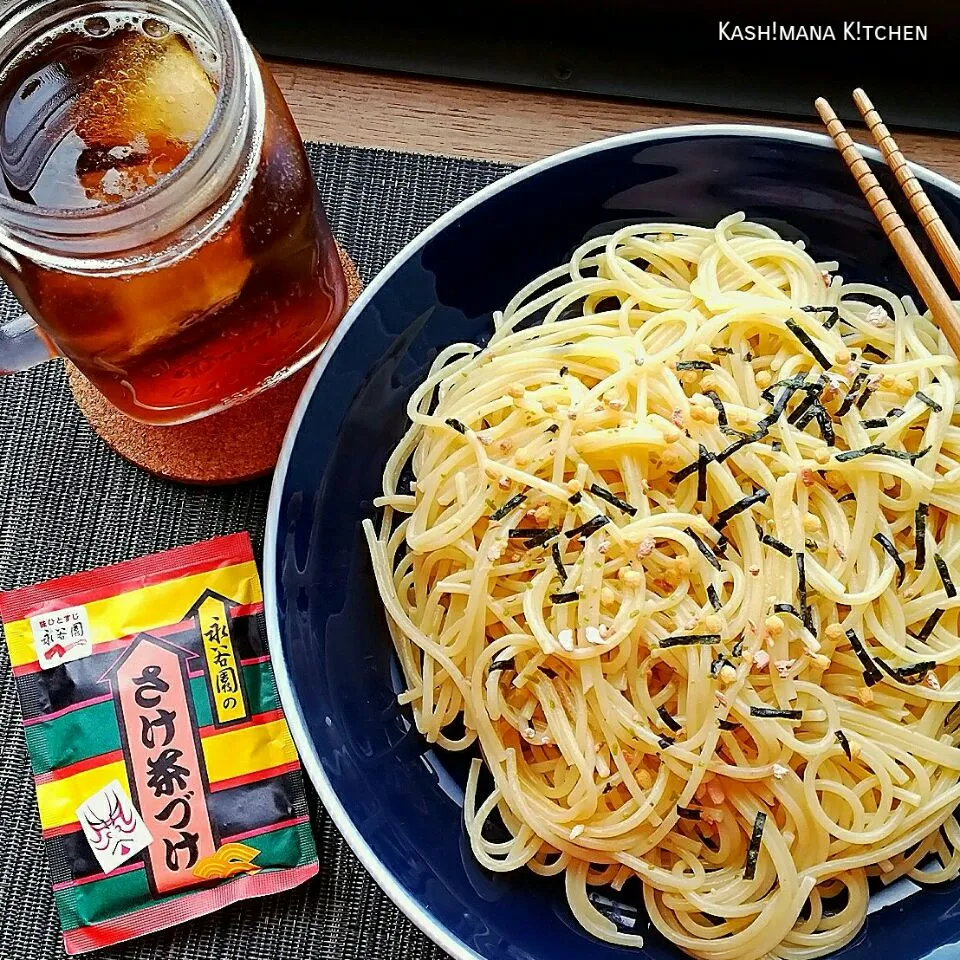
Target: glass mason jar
(202, 284)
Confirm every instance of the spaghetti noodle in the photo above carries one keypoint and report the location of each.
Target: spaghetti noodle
(679, 551)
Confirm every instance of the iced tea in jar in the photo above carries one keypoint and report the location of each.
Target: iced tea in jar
(158, 218)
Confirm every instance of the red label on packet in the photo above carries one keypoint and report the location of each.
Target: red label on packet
(167, 781)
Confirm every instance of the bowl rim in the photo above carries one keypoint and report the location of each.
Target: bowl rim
(422, 918)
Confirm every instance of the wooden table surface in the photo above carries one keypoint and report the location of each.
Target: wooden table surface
(426, 115)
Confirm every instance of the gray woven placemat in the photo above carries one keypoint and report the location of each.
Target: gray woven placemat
(68, 503)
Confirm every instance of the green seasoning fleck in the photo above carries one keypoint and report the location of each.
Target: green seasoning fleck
(753, 851)
(689, 639)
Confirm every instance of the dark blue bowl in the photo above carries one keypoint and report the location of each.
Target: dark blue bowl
(397, 802)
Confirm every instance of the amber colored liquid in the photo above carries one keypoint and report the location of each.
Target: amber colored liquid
(221, 322)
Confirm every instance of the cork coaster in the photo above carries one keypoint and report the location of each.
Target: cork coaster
(239, 443)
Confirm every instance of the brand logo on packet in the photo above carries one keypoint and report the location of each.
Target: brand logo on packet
(113, 827)
(165, 765)
(61, 636)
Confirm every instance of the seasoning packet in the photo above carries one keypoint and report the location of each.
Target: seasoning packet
(167, 780)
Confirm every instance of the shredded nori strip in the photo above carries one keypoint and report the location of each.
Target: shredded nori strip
(787, 608)
(844, 743)
(929, 626)
(728, 513)
(699, 465)
(670, 723)
(804, 409)
(915, 669)
(541, 537)
(871, 673)
(873, 423)
(708, 842)
(558, 562)
(518, 533)
(665, 741)
(564, 370)
(505, 508)
(718, 406)
(847, 496)
(690, 639)
(753, 851)
(929, 401)
(831, 320)
(456, 424)
(702, 463)
(864, 397)
(891, 552)
(744, 440)
(591, 526)
(717, 665)
(737, 650)
(728, 725)
(920, 535)
(720, 545)
(777, 545)
(604, 494)
(808, 342)
(825, 423)
(569, 597)
(575, 499)
(796, 382)
(858, 382)
(712, 596)
(694, 365)
(688, 813)
(776, 446)
(703, 548)
(875, 351)
(894, 412)
(950, 714)
(553, 428)
(805, 616)
(722, 351)
(811, 544)
(775, 713)
(945, 575)
(502, 663)
(856, 454)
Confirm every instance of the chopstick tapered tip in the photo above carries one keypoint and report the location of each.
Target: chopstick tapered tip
(824, 109)
(862, 101)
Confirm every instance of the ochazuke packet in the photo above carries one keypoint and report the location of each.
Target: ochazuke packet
(167, 780)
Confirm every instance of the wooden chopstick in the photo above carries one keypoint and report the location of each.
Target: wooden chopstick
(943, 243)
(929, 286)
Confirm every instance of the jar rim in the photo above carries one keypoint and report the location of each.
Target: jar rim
(217, 23)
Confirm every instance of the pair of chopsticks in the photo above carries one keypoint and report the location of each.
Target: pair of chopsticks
(934, 295)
